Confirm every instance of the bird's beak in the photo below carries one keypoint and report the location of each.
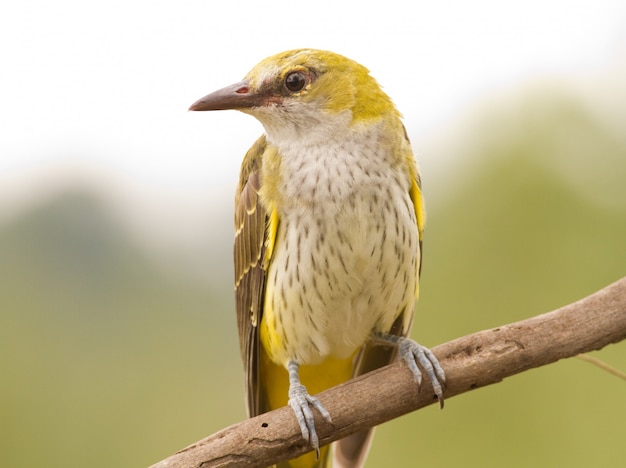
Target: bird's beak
(236, 96)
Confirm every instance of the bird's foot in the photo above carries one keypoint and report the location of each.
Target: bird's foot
(301, 403)
(417, 356)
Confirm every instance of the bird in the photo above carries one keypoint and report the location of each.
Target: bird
(329, 220)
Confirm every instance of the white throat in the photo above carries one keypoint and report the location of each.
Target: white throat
(294, 124)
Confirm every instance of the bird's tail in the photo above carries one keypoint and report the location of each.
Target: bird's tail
(351, 451)
(308, 460)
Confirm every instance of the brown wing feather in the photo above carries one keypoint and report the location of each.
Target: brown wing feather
(250, 233)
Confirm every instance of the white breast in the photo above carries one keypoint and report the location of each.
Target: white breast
(347, 252)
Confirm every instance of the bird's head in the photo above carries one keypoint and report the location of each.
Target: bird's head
(305, 95)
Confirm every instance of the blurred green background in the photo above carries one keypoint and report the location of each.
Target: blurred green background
(116, 354)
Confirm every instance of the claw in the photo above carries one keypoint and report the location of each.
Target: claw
(415, 354)
(301, 403)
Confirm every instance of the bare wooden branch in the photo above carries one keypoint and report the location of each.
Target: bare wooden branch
(470, 362)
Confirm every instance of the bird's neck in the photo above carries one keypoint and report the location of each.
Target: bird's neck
(330, 171)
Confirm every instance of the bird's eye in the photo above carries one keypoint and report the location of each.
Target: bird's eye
(295, 81)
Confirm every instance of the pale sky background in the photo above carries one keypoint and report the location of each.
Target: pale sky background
(100, 91)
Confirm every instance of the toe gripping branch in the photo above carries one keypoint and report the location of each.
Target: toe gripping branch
(301, 403)
(417, 356)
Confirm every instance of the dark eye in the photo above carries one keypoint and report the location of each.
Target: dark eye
(295, 81)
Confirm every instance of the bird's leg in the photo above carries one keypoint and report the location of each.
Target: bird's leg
(415, 354)
(301, 403)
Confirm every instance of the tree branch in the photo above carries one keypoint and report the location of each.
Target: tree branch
(470, 362)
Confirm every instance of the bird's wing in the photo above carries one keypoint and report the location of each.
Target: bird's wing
(420, 213)
(250, 270)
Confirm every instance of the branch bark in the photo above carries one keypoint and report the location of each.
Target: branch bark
(470, 362)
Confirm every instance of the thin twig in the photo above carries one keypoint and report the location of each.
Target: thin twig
(602, 365)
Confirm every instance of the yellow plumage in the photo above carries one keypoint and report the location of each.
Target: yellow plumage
(329, 221)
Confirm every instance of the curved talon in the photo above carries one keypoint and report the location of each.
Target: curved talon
(301, 403)
(415, 354)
